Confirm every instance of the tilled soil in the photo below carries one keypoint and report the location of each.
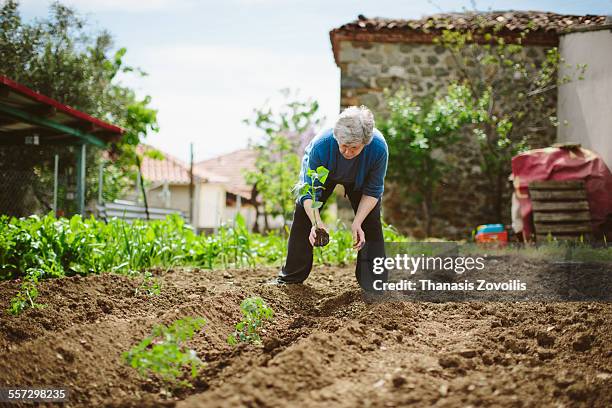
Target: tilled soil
(327, 345)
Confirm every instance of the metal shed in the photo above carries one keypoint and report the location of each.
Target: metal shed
(33, 124)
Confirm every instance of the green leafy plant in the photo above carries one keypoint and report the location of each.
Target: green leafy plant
(519, 84)
(317, 179)
(164, 352)
(255, 311)
(150, 286)
(418, 133)
(26, 297)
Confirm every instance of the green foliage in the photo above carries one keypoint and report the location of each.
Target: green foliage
(164, 352)
(518, 86)
(60, 247)
(59, 57)
(36, 247)
(418, 134)
(255, 311)
(317, 179)
(278, 163)
(27, 294)
(150, 286)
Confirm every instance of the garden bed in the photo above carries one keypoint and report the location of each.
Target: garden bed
(325, 347)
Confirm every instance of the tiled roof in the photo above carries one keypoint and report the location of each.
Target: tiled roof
(543, 27)
(508, 20)
(172, 170)
(231, 166)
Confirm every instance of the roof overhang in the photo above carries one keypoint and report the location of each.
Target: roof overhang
(411, 36)
(28, 117)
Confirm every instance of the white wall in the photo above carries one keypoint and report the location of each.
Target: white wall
(211, 205)
(585, 106)
(178, 198)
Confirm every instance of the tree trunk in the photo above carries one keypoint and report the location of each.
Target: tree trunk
(144, 193)
(257, 213)
(426, 207)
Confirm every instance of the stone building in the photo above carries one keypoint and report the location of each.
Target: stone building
(375, 54)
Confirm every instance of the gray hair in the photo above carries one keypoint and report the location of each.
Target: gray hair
(355, 125)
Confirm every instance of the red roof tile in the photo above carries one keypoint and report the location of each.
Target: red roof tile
(231, 166)
(509, 20)
(543, 27)
(172, 169)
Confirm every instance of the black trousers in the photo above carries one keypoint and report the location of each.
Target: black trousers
(299, 250)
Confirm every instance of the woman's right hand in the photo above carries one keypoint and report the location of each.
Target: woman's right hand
(313, 232)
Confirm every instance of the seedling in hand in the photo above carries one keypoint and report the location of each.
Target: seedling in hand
(320, 174)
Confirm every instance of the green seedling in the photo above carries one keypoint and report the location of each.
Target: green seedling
(320, 175)
(150, 285)
(255, 311)
(26, 297)
(164, 352)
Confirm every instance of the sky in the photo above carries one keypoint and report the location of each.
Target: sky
(210, 63)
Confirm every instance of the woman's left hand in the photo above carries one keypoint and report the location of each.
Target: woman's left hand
(358, 236)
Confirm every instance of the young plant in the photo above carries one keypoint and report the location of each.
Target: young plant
(320, 175)
(255, 311)
(164, 352)
(150, 286)
(27, 294)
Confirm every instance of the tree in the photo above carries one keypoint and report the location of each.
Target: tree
(416, 134)
(519, 86)
(286, 131)
(58, 57)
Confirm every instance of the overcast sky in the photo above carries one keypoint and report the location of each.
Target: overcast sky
(211, 62)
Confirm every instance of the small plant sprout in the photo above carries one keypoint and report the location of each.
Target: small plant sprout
(255, 311)
(320, 174)
(164, 352)
(26, 297)
(150, 285)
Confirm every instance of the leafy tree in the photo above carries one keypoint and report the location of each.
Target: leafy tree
(417, 133)
(57, 56)
(286, 131)
(520, 87)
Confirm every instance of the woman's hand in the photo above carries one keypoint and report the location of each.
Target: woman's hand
(358, 236)
(313, 232)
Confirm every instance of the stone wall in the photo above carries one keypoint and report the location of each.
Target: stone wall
(464, 199)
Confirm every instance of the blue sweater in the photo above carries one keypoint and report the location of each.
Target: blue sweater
(323, 150)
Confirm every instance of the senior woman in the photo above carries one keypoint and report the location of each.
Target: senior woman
(356, 154)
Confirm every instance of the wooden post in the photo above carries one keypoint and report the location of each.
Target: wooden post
(55, 183)
(100, 183)
(81, 156)
(191, 184)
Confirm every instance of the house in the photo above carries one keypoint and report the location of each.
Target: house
(239, 194)
(584, 106)
(219, 188)
(374, 54)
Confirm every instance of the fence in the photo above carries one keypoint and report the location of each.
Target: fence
(41, 179)
(38, 179)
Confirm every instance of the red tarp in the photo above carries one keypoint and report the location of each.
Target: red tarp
(555, 163)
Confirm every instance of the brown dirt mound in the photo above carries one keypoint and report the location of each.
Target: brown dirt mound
(325, 347)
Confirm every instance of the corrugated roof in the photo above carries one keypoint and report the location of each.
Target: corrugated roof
(231, 166)
(26, 112)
